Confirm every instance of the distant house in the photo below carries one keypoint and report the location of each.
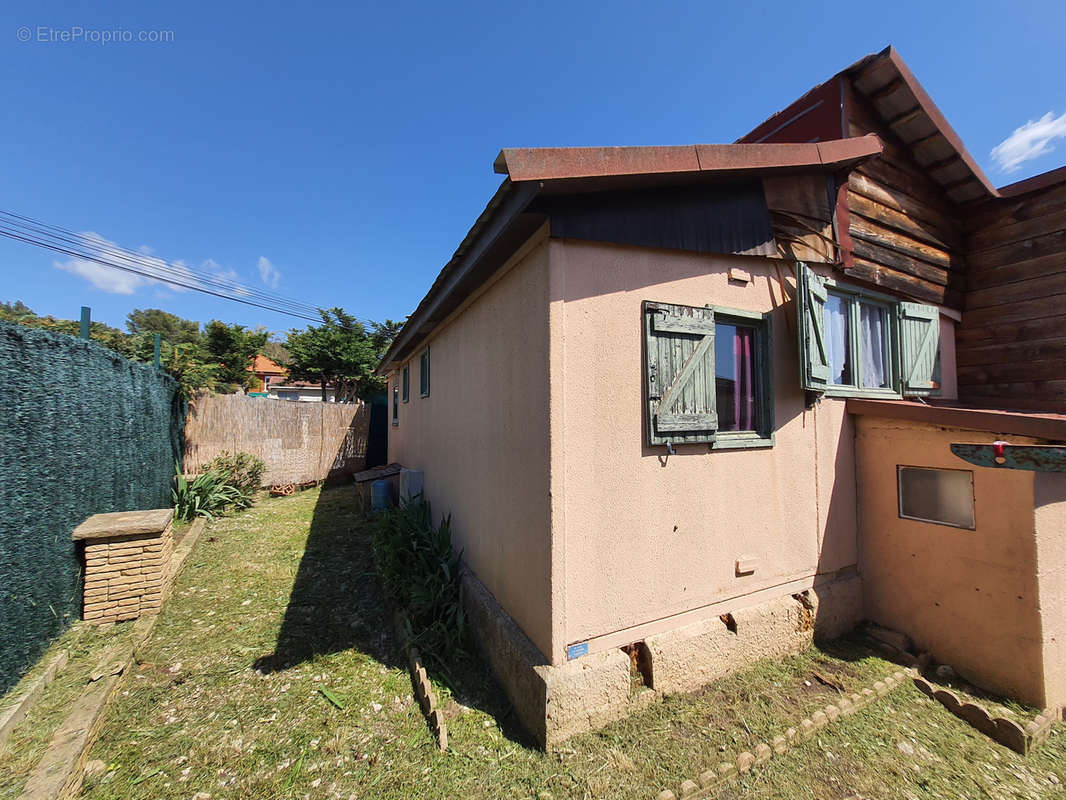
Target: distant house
(304, 391)
(267, 371)
(690, 406)
(274, 381)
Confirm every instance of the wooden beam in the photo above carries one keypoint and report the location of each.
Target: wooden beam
(902, 221)
(905, 117)
(1033, 458)
(891, 87)
(944, 162)
(871, 231)
(886, 257)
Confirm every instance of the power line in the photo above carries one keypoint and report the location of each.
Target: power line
(173, 282)
(46, 235)
(106, 254)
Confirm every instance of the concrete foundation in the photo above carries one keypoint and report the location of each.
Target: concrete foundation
(557, 702)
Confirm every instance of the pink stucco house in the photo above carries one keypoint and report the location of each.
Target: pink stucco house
(691, 406)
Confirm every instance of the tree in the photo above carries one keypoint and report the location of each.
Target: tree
(233, 348)
(338, 353)
(276, 351)
(171, 327)
(16, 312)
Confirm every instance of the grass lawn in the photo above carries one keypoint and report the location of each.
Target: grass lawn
(85, 645)
(281, 601)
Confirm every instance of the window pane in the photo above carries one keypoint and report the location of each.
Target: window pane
(944, 496)
(736, 377)
(838, 340)
(873, 336)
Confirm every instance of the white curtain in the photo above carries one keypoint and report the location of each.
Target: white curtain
(872, 333)
(836, 340)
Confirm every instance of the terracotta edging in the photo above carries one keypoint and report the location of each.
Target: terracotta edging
(424, 694)
(1000, 729)
(846, 705)
(59, 773)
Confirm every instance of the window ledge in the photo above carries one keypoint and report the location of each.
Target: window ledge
(738, 440)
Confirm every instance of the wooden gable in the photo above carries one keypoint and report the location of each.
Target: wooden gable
(904, 229)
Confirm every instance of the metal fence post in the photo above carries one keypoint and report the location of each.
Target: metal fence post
(86, 316)
(155, 348)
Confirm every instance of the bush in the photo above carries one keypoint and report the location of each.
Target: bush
(420, 574)
(230, 482)
(245, 470)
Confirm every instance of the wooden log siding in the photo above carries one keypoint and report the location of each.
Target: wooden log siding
(299, 441)
(1011, 344)
(904, 229)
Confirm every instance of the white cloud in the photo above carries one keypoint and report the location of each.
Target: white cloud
(108, 279)
(1031, 140)
(118, 281)
(268, 272)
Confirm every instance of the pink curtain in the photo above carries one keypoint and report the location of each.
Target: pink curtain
(743, 370)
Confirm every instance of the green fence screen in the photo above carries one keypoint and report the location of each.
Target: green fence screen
(82, 431)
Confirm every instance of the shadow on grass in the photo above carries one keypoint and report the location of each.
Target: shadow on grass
(337, 604)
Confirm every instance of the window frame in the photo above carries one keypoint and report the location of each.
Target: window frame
(764, 434)
(857, 296)
(405, 383)
(927, 521)
(423, 373)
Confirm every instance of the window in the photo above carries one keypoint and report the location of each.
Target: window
(395, 404)
(859, 343)
(406, 383)
(940, 496)
(423, 373)
(707, 376)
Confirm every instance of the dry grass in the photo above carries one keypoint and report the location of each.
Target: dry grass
(282, 601)
(30, 738)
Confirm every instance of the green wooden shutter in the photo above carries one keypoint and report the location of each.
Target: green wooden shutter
(919, 338)
(423, 373)
(814, 356)
(679, 374)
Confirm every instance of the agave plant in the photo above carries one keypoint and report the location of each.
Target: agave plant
(206, 495)
(421, 574)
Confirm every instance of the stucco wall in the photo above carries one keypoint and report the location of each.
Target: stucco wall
(481, 435)
(971, 597)
(644, 542)
(1049, 495)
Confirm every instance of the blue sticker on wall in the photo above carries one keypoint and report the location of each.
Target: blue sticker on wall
(577, 650)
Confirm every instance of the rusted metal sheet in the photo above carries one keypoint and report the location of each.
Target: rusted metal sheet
(814, 117)
(1031, 457)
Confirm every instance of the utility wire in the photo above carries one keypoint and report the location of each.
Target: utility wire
(172, 281)
(77, 245)
(160, 268)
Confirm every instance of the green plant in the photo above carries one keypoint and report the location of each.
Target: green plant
(244, 469)
(206, 495)
(420, 573)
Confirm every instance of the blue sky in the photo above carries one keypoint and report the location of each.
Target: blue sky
(351, 145)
